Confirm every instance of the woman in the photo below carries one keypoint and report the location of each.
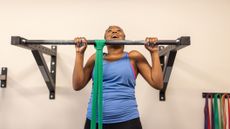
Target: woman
(120, 70)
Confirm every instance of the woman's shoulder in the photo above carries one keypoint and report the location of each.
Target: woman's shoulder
(92, 58)
(134, 54)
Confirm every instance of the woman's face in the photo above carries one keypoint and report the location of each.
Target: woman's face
(114, 33)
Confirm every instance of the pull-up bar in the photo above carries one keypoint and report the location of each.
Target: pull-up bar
(167, 56)
(19, 40)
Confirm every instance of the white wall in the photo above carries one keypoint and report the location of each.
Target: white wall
(203, 66)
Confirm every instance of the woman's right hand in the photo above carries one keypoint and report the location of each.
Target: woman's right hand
(80, 44)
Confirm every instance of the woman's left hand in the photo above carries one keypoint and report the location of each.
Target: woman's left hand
(150, 44)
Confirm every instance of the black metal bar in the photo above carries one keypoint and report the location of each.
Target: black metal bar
(211, 94)
(53, 65)
(45, 72)
(92, 42)
(166, 50)
(162, 57)
(3, 77)
(167, 72)
(171, 48)
(184, 42)
(162, 61)
(19, 40)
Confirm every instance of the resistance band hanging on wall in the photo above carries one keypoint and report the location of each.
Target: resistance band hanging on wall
(207, 119)
(97, 87)
(215, 113)
(223, 110)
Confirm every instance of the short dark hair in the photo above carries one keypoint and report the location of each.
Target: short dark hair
(113, 26)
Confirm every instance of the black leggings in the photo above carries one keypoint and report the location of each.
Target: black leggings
(131, 124)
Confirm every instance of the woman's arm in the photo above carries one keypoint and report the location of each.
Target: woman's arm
(152, 74)
(81, 76)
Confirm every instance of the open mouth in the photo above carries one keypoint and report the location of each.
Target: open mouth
(115, 36)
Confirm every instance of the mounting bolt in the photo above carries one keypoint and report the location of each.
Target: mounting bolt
(52, 95)
(161, 47)
(23, 40)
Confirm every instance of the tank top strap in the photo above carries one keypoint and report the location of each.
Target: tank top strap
(126, 55)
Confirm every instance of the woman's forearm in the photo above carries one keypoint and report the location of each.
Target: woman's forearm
(78, 73)
(157, 75)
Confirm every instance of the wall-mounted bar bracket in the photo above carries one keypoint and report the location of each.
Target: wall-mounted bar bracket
(38, 50)
(167, 69)
(3, 77)
(167, 58)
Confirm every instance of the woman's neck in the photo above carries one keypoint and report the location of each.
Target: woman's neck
(115, 51)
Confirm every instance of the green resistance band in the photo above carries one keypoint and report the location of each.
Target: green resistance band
(216, 112)
(221, 113)
(97, 87)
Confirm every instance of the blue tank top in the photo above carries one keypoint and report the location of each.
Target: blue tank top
(119, 102)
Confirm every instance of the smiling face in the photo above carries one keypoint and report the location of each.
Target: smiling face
(114, 33)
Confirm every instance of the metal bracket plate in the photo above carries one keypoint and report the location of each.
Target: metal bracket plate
(3, 77)
(167, 61)
(48, 76)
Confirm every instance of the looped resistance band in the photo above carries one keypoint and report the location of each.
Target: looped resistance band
(207, 118)
(229, 111)
(97, 87)
(223, 112)
(216, 112)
